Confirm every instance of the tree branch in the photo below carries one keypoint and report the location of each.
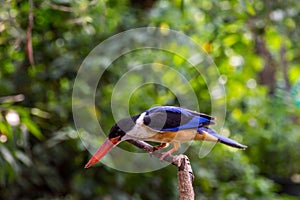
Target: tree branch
(29, 34)
(185, 179)
(61, 8)
(185, 174)
(12, 98)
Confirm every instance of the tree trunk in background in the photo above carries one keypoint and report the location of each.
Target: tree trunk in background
(268, 74)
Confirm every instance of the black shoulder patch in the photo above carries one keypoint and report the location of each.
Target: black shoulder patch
(147, 120)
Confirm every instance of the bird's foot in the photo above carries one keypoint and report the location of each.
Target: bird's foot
(164, 154)
(158, 147)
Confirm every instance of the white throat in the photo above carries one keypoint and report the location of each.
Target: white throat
(140, 131)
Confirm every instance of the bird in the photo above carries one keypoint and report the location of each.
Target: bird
(163, 124)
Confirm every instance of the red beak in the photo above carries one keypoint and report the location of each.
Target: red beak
(102, 151)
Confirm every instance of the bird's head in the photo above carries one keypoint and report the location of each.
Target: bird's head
(116, 135)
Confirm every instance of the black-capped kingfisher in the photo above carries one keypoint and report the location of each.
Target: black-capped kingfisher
(163, 124)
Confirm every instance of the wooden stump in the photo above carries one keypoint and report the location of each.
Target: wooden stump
(185, 174)
(185, 179)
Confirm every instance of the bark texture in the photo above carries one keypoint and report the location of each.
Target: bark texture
(185, 174)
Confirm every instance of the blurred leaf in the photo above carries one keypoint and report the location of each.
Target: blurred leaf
(7, 155)
(24, 158)
(33, 128)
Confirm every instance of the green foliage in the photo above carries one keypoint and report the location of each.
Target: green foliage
(41, 155)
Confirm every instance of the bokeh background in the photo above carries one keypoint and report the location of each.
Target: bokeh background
(254, 44)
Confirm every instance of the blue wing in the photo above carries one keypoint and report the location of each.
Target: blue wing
(170, 118)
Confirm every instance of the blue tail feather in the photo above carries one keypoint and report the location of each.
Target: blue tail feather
(222, 138)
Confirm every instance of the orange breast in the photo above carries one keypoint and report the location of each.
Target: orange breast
(181, 136)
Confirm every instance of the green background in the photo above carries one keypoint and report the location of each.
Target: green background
(254, 44)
